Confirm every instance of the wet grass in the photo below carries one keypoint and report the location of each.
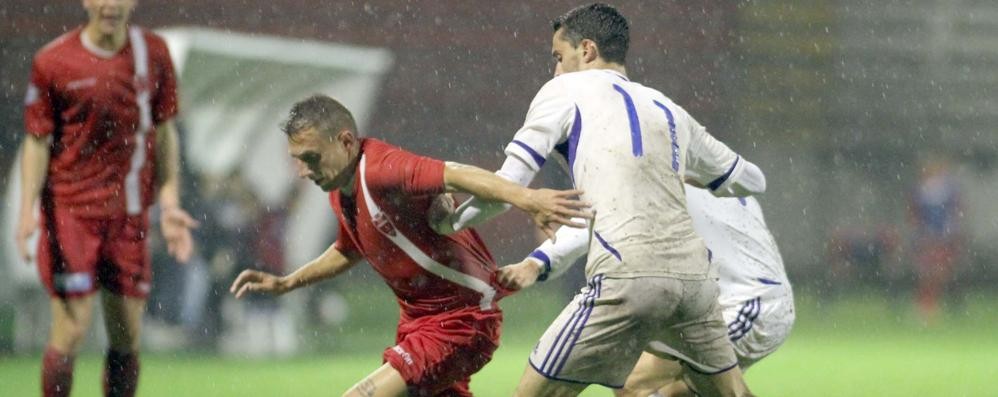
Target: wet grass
(859, 346)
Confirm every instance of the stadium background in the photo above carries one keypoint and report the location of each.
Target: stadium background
(840, 103)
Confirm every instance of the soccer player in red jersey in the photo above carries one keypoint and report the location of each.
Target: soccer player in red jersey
(99, 143)
(446, 285)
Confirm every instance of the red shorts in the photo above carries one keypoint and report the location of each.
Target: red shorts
(437, 354)
(78, 255)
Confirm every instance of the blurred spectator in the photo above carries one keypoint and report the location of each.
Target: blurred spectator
(862, 254)
(935, 213)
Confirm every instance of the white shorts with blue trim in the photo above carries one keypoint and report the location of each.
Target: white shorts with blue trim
(757, 327)
(600, 335)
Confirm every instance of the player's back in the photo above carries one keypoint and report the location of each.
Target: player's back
(748, 260)
(627, 150)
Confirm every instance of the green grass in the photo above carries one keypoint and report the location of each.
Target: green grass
(857, 347)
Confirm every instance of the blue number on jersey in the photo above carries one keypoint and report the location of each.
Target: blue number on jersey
(632, 115)
(672, 135)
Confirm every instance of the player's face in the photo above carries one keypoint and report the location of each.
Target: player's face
(324, 160)
(109, 16)
(568, 58)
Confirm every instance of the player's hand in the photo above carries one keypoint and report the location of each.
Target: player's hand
(439, 214)
(176, 225)
(519, 275)
(551, 209)
(27, 225)
(256, 281)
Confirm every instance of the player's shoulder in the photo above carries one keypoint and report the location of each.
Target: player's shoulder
(55, 48)
(154, 42)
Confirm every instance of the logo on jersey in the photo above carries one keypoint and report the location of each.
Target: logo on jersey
(32, 95)
(404, 354)
(383, 224)
(81, 83)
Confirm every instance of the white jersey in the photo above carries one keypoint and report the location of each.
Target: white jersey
(629, 148)
(746, 257)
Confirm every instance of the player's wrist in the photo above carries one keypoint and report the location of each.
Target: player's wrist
(542, 263)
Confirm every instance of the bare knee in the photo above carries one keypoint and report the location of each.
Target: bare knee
(68, 337)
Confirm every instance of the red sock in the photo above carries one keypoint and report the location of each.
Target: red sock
(57, 373)
(121, 373)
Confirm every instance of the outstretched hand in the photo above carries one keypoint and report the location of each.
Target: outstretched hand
(176, 225)
(519, 275)
(551, 209)
(257, 281)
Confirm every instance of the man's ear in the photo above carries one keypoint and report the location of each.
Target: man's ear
(347, 138)
(589, 50)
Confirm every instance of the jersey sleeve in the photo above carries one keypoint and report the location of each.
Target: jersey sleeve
(164, 100)
(39, 112)
(409, 173)
(557, 257)
(548, 122)
(344, 243)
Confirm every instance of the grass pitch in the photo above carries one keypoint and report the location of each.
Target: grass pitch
(861, 346)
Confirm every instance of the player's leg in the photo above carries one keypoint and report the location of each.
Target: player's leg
(67, 256)
(533, 383)
(729, 383)
(123, 323)
(383, 382)
(70, 321)
(125, 274)
(650, 374)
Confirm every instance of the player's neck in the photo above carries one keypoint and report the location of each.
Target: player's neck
(112, 42)
(599, 64)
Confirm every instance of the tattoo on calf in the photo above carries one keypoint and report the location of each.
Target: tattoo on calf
(367, 388)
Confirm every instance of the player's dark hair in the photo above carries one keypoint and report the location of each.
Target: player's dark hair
(600, 23)
(327, 115)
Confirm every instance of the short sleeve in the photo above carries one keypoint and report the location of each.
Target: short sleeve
(164, 100)
(344, 243)
(409, 173)
(551, 116)
(39, 112)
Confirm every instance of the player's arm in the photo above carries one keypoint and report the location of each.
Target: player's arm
(550, 260)
(35, 154)
(175, 223)
(476, 211)
(548, 208)
(328, 265)
(550, 117)
(714, 166)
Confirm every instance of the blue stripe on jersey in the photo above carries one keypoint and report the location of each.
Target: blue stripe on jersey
(632, 116)
(541, 256)
(607, 246)
(573, 142)
(533, 153)
(720, 181)
(743, 201)
(672, 135)
(768, 281)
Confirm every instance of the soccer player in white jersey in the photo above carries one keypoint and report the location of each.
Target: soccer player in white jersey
(629, 148)
(756, 297)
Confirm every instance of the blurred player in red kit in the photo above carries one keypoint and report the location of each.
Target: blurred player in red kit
(446, 285)
(100, 143)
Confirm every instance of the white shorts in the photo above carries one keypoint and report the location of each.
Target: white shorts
(599, 337)
(757, 327)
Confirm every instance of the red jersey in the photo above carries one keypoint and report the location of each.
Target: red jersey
(88, 102)
(386, 222)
